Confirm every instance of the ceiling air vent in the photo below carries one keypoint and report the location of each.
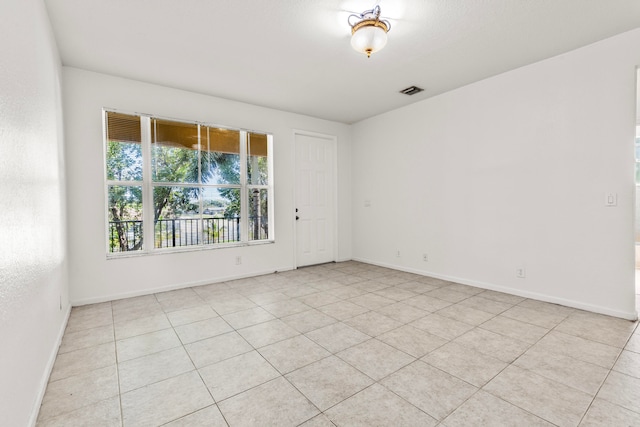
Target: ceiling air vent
(411, 90)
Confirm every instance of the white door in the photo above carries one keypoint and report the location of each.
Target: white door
(315, 210)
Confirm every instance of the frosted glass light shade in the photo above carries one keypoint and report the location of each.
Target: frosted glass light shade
(369, 39)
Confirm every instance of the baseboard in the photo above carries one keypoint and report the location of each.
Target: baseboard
(633, 315)
(47, 372)
(113, 297)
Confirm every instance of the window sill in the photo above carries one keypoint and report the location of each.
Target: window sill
(167, 251)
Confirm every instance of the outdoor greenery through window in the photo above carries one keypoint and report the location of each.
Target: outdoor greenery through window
(180, 184)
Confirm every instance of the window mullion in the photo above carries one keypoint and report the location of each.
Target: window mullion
(270, 195)
(200, 187)
(244, 211)
(147, 188)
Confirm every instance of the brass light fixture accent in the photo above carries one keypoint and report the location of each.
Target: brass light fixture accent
(368, 31)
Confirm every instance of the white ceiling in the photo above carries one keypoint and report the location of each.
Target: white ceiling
(294, 55)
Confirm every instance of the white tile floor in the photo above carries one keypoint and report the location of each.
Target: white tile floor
(345, 344)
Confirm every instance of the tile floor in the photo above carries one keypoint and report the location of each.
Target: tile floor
(345, 344)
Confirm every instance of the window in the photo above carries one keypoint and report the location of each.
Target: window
(180, 184)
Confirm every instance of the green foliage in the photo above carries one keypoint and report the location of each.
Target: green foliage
(213, 231)
(172, 164)
(258, 213)
(124, 161)
(125, 204)
(173, 202)
(178, 165)
(257, 170)
(220, 168)
(233, 207)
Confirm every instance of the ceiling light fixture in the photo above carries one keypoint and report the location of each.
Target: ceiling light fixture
(368, 31)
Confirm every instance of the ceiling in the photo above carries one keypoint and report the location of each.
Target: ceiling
(295, 55)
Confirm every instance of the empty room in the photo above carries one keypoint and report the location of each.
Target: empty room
(319, 213)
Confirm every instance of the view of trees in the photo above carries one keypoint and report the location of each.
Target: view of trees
(124, 163)
(180, 162)
(258, 208)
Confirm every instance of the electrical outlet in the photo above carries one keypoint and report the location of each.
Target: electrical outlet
(521, 272)
(238, 260)
(398, 253)
(425, 257)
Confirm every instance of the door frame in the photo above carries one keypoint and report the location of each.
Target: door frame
(333, 139)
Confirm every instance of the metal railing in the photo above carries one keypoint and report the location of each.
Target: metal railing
(169, 233)
(258, 228)
(125, 236)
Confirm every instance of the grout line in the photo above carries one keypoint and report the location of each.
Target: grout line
(254, 288)
(607, 376)
(115, 349)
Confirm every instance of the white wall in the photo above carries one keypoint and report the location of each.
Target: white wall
(33, 278)
(507, 172)
(93, 277)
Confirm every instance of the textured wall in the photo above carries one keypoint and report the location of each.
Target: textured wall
(33, 283)
(93, 277)
(511, 172)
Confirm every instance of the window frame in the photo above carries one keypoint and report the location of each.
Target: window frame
(148, 184)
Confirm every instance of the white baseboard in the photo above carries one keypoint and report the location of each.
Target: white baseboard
(47, 372)
(633, 315)
(628, 315)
